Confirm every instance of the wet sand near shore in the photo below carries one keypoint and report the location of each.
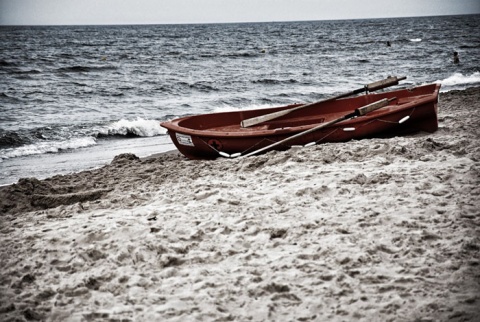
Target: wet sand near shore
(369, 230)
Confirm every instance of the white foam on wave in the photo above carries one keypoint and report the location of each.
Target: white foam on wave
(138, 127)
(47, 147)
(242, 108)
(460, 81)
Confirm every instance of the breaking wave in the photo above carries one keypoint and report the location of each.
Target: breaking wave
(136, 128)
(459, 81)
(47, 147)
(53, 140)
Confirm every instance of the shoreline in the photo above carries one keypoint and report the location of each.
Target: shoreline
(43, 166)
(385, 229)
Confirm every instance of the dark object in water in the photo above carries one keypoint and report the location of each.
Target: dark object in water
(456, 59)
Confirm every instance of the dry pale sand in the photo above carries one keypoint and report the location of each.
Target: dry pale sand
(372, 230)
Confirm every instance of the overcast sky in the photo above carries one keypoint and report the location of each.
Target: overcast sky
(73, 12)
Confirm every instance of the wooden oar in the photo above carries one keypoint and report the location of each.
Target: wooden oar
(358, 112)
(387, 82)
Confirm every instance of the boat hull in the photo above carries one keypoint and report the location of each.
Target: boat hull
(209, 136)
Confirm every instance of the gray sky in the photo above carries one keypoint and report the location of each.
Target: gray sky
(73, 12)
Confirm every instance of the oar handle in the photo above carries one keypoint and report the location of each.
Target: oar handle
(387, 82)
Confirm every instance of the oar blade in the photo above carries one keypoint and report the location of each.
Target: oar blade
(372, 107)
(263, 118)
(384, 83)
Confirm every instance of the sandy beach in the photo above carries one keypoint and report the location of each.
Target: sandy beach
(370, 230)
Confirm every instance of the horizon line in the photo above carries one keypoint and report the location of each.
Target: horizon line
(232, 22)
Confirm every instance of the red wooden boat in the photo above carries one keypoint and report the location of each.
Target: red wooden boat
(209, 136)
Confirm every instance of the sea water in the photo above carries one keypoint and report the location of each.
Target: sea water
(73, 97)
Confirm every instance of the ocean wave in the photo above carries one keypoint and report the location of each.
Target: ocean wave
(30, 136)
(6, 63)
(202, 86)
(47, 147)
(460, 81)
(241, 54)
(84, 69)
(10, 139)
(270, 81)
(136, 128)
(5, 96)
(27, 71)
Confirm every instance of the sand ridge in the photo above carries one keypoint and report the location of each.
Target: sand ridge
(381, 229)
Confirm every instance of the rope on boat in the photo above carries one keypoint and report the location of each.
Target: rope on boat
(237, 154)
(401, 121)
(326, 136)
